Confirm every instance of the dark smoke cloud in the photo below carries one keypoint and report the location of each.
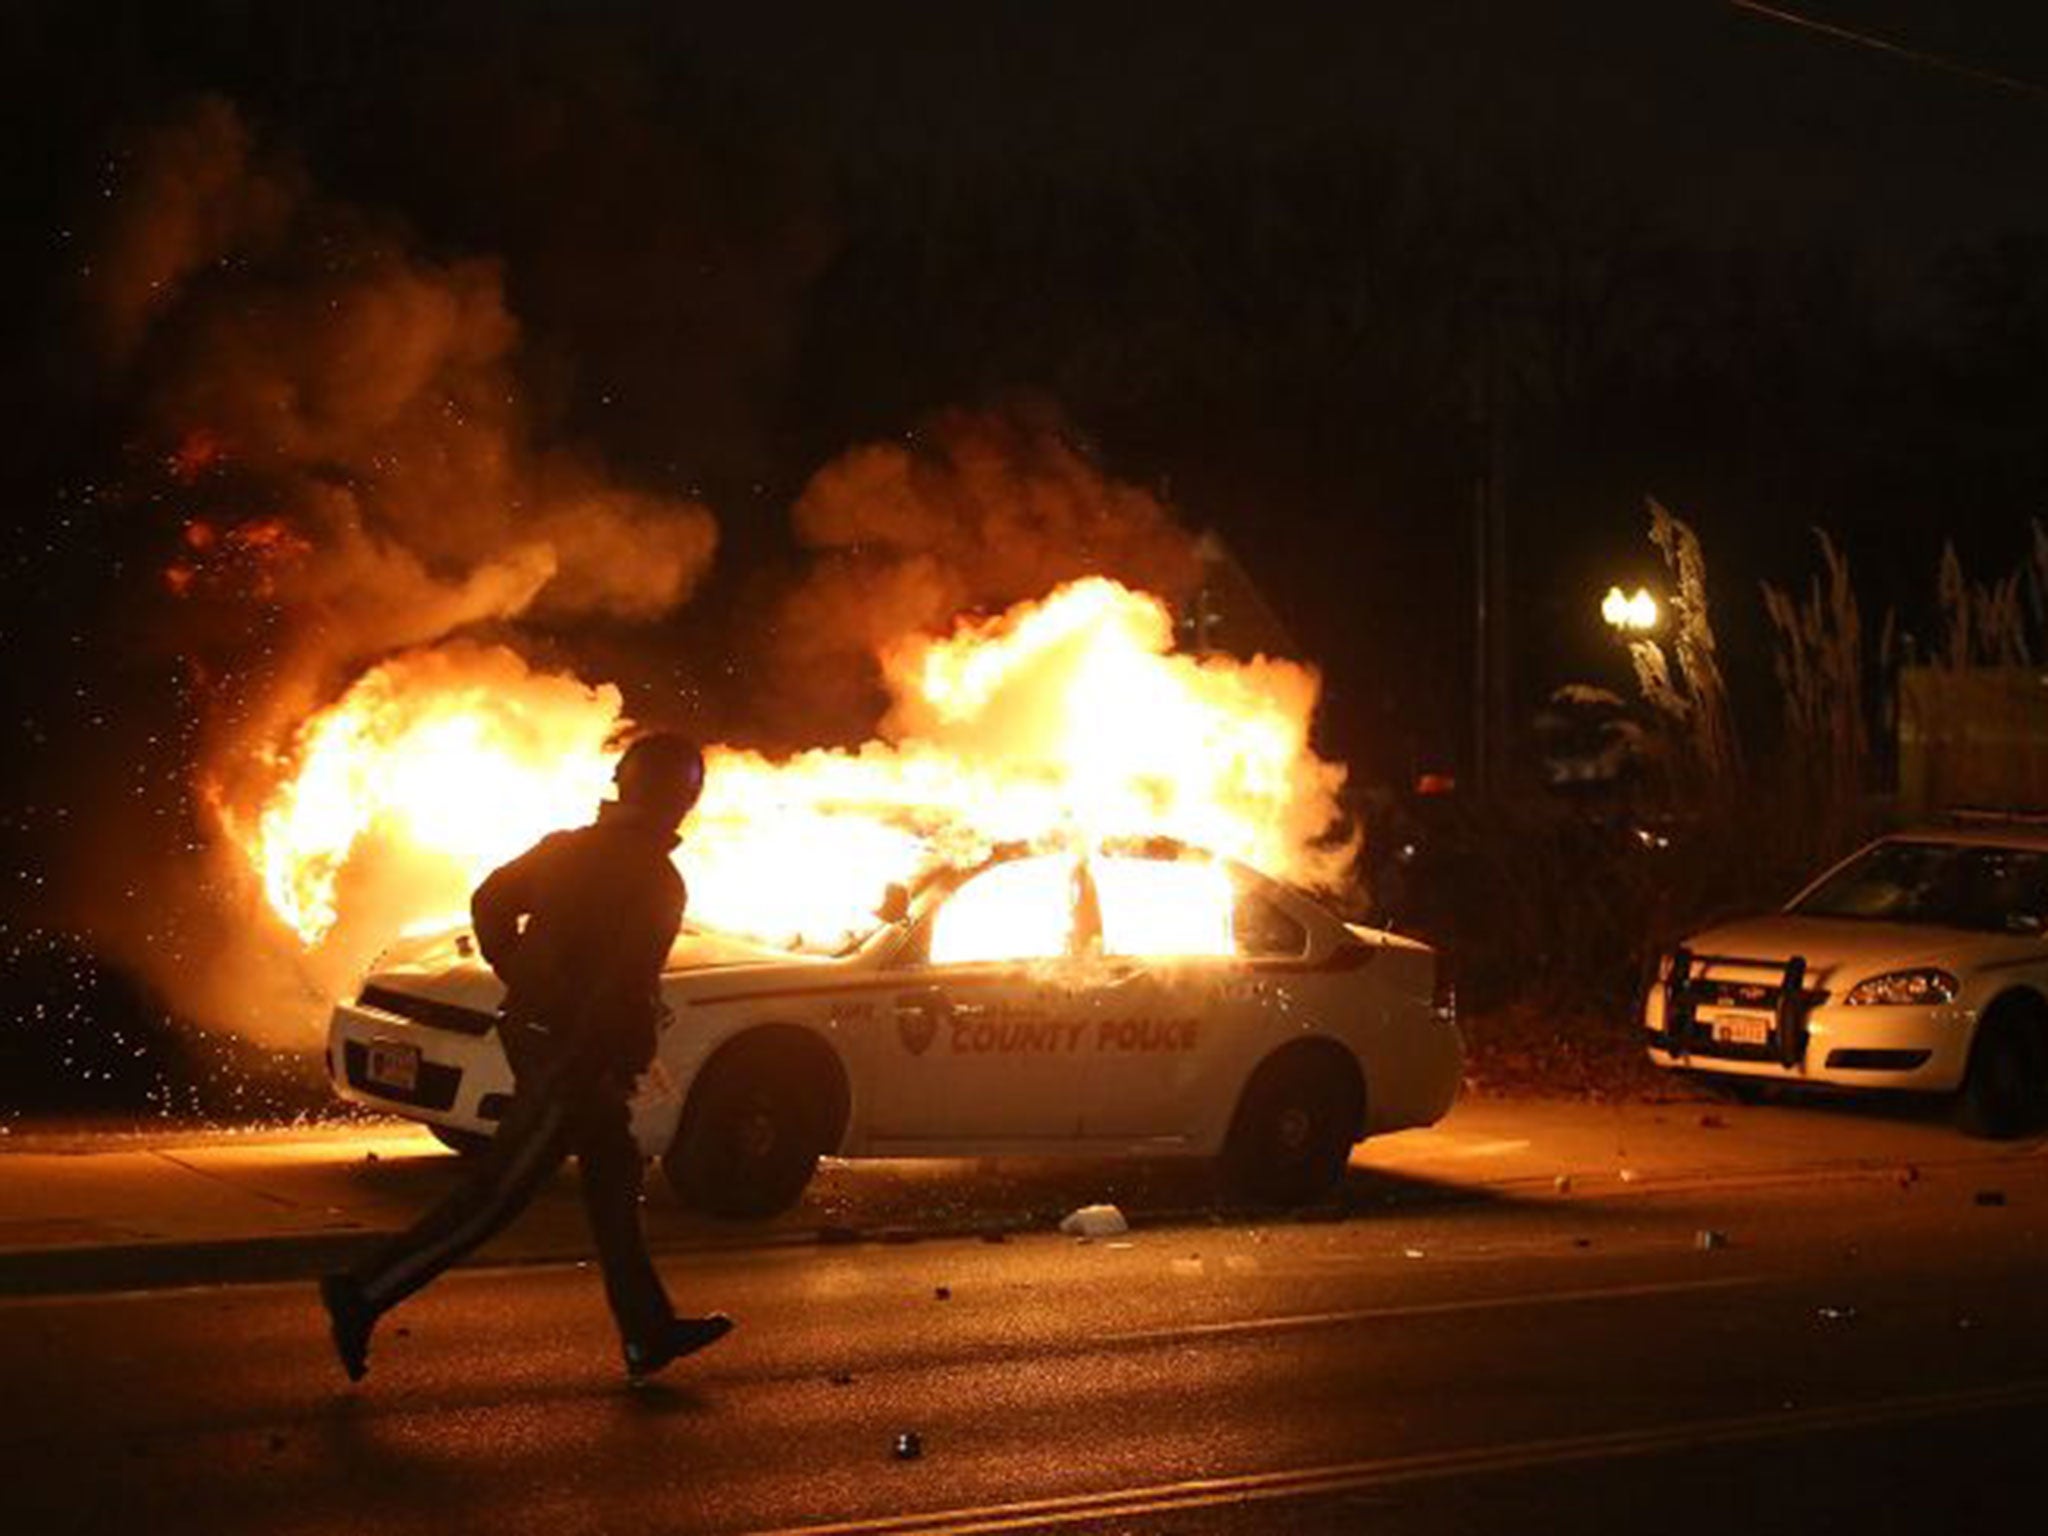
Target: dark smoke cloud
(977, 511)
(329, 428)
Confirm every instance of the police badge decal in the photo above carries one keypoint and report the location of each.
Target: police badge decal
(917, 1023)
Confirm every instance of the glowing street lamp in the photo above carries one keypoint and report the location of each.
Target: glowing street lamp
(1629, 613)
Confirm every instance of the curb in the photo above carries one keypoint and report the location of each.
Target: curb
(103, 1269)
(44, 1272)
(89, 1269)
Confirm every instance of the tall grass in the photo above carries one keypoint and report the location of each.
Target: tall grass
(1826, 766)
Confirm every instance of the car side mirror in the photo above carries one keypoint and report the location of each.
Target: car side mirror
(895, 904)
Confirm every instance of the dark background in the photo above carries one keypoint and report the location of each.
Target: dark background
(1293, 268)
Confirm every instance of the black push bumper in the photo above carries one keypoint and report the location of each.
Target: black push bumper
(1784, 997)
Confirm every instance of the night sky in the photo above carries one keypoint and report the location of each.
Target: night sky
(1253, 261)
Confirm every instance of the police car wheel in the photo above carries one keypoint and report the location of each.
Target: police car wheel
(1292, 1136)
(2005, 1092)
(749, 1142)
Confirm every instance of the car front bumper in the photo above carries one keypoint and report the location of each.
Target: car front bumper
(458, 1080)
(1904, 1048)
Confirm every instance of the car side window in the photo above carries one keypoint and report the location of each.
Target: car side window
(2002, 890)
(1019, 910)
(1163, 907)
(1264, 932)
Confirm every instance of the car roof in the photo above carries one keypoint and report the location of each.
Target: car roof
(1977, 833)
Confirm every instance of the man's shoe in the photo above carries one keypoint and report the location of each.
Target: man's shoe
(685, 1336)
(350, 1318)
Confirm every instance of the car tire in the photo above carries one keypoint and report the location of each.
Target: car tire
(461, 1143)
(750, 1138)
(1292, 1135)
(2005, 1090)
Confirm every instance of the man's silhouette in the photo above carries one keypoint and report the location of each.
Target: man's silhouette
(577, 928)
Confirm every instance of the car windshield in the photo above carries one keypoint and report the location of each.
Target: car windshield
(1948, 885)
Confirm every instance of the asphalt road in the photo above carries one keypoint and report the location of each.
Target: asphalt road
(1855, 1349)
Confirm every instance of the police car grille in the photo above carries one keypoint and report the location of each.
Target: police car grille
(429, 1011)
(1747, 994)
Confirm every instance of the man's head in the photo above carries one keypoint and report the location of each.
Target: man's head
(662, 773)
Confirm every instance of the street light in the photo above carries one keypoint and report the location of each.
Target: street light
(1629, 613)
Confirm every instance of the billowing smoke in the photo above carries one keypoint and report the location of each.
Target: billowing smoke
(327, 424)
(977, 511)
(363, 529)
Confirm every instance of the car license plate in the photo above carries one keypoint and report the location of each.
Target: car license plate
(395, 1066)
(1743, 1028)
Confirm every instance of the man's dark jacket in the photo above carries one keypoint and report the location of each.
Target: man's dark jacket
(602, 905)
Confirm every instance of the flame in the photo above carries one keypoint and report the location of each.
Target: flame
(1020, 911)
(1069, 722)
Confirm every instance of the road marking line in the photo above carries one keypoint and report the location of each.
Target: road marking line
(1350, 1477)
(1301, 1320)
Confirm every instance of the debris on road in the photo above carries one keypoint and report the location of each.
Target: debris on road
(1628, 1175)
(1411, 1253)
(1562, 1184)
(1707, 1239)
(1095, 1221)
(1908, 1176)
(1991, 1197)
(942, 1293)
(841, 1378)
(1836, 1314)
(909, 1446)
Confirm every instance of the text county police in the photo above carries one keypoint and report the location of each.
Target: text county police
(1068, 1036)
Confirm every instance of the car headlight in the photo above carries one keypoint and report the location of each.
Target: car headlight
(1917, 987)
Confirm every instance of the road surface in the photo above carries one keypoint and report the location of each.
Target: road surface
(1780, 1342)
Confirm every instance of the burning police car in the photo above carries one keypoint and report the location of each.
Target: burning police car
(1141, 1000)
(1919, 962)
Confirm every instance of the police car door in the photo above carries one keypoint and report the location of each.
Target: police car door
(983, 1045)
(1197, 960)
(1160, 1012)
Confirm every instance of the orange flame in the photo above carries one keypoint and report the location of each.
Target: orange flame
(1069, 720)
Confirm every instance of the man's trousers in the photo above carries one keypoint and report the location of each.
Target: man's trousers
(553, 1114)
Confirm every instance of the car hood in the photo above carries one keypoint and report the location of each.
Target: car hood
(1839, 952)
(446, 967)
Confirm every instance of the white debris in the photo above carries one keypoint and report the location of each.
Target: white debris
(1562, 1184)
(1707, 1238)
(1095, 1221)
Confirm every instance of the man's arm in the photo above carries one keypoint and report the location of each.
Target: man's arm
(622, 1000)
(506, 895)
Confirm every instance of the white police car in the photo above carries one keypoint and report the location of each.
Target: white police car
(1275, 1043)
(1919, 962)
